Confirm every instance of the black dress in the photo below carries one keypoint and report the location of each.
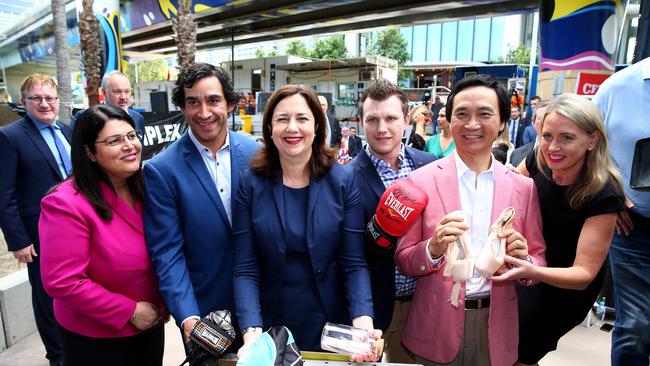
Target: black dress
(546, 313)
(300, 307)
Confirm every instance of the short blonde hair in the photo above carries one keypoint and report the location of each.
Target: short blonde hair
(35, 79)
(599, 169)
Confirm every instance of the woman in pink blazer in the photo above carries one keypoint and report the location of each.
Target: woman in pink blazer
(94, 261)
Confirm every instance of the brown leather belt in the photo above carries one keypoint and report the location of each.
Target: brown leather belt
(404, 298)
(475, 304)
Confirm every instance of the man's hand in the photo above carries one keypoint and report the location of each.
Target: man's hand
(25, 255)
(187, 328)
(516, 244)
(447, 231)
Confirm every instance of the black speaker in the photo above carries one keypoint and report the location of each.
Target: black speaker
(159, 102)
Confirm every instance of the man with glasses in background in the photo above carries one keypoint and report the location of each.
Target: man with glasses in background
(117, 90)
(35, 152)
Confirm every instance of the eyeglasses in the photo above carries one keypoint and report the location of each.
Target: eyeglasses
(120, 139)
(39, 100)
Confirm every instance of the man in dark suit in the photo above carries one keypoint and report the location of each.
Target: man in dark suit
(516, 127)
(117, 90)
(384, 113)
(334, 134)
(35, 154)
(189, 188)
(355, 143)
(520, 153)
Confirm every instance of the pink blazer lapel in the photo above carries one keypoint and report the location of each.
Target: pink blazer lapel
(447, 183)
(502, 190)
(132, 216)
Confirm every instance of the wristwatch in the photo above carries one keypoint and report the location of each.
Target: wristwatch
(249, 330)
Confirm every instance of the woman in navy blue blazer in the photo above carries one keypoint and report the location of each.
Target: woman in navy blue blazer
(298, 230)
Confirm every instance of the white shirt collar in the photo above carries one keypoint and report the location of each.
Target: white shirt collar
(462, 169)
(202, 148)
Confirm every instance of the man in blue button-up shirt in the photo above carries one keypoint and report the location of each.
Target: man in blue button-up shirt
(35, 153)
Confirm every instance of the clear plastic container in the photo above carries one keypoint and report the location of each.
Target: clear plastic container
(345, 340)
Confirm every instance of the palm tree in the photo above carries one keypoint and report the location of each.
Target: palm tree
(88, 33)
(185, 29)
(62, 59)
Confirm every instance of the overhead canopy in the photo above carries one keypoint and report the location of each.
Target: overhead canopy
(263, 20)
(357, 62)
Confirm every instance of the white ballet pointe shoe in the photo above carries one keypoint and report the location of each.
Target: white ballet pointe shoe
(492, 256)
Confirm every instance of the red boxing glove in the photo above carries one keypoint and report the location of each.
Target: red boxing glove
(400, 205)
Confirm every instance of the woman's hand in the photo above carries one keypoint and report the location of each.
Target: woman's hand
(450, 227)
(249, 339)
(365, 322)
(519, 269)
(145, 316)
(624, 223)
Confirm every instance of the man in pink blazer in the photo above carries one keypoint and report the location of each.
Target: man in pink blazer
(467, 191)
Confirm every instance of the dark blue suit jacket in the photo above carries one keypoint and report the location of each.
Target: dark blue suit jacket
(29, 170)
(187, 229)
(381, 262)
(138, 119)
(334, 240)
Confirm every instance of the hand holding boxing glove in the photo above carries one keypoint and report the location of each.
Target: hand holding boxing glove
(399, 207)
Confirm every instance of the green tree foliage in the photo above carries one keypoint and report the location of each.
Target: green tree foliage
(390, 43)
(519, 55)
(151, 70)
(332, 47)
(297, 48)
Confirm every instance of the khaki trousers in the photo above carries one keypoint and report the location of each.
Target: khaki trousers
(394, 351)
(474, 350)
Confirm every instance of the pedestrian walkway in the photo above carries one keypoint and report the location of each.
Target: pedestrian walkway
(581, 347)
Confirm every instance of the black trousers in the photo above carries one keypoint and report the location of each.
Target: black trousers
(145, 349)
(47, 326)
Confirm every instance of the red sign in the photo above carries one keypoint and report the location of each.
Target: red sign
(588, 84)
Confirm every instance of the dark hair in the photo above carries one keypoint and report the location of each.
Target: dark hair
(266, 161)
(500, 153)
(196, 72)
(381, 90)
(536, 97)
(488, 82)
(87, 174)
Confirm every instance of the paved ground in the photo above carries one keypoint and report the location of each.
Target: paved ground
(581, 347)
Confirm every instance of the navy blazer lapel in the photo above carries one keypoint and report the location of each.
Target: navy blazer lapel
(195, 162)
(278, 198)
(237, 163)
(314, 191)
(34, 134)
(369, 174)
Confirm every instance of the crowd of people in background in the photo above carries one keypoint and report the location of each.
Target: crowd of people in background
(276, 232)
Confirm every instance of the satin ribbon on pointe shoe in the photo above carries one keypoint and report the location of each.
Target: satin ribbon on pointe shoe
(460, 266)
(461, 263)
